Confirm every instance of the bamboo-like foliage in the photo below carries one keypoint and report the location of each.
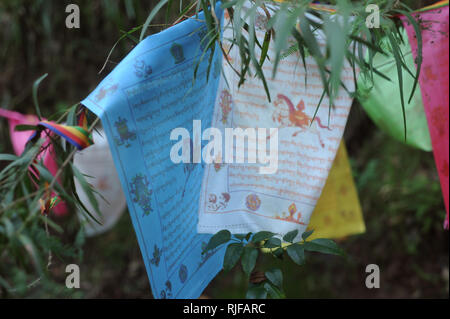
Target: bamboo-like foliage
(348, 37)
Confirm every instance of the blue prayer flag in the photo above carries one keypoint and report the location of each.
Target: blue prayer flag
(151, 92)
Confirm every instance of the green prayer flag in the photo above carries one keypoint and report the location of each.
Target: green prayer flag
(381, 100)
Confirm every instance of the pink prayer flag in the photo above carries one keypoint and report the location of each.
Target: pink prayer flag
(19, 139)
(434, 84)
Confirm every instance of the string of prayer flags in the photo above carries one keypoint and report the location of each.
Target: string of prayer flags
(166, 132)
(97, 163)
(171, 118)
(381, 100)
(434, 83)
(338, 213)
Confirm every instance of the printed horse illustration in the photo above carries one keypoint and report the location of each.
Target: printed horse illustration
(296, 117)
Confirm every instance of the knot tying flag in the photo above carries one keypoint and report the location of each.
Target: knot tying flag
(78, 136)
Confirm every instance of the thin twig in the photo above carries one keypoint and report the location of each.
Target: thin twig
(184, 16)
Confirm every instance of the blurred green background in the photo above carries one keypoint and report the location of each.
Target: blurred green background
(398, 186)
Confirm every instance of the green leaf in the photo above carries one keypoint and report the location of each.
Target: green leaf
(218, 239)
(272, 243)
(232, 255)
(368, 44)
(80, 205)
(256, 293)
(306, 234)
(4, 284)
(251, 47)
(9, 227)
(168, 10)
(209, 47)
(419, 60)
(262, 235)
(314, 49)
(301, 48)
(323, 245)
(31, 250)
(278, 253)
(229, 3)
(297, 253)
(80, 238)
(289, 237)
(249, 258)
(45, 175)
(24, 127)
(35, 96)
(150, 18)
(71, 115)
(273, 291)
(336, 43)
(87, 188)
(265, 47)
(284, 23)
(275, 276)
(398, 61)
(243, 237)
(8, 157)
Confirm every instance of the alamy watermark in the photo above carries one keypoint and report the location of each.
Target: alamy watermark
(73, 17)
(373, 19)
(373, 279)
(73, 277)
(188, 150)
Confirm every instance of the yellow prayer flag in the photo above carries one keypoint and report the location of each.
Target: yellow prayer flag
(338, 212)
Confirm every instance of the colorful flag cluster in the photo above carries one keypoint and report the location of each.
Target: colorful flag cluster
(175, 207)
(147, 96)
